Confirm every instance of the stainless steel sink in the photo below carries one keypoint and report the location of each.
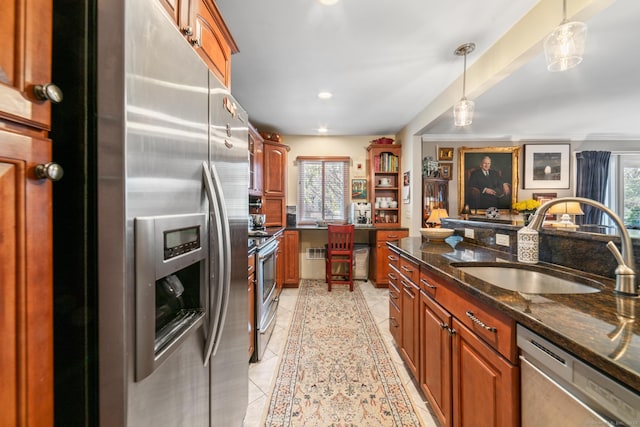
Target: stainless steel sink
(528, 279)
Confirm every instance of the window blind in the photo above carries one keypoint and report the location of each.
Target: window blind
(323, 190)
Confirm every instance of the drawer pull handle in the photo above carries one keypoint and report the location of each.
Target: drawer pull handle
(427, 284)
(480, 323)
(392, 295)
(394, 322)
(405, 268)
(392, 258)
(392, 236)
(392, 276)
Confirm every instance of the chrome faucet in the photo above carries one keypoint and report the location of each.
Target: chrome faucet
(625, 272)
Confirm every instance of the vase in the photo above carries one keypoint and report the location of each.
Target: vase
(527, 216)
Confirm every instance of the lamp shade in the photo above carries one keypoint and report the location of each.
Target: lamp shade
(571, 208)
(463, 112)
(566, 209)
(564, 47)
(437, 215)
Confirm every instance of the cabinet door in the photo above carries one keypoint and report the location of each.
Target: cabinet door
(395, 307)
(26, 289)
(435, 358)
(485, 385)
(280, 264)
(275, 169)
(210, 42)
(25, 60)
(410, 325)
(275, 211)
(291, 259)
(256, 156)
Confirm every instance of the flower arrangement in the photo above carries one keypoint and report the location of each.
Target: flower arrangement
(528, 205)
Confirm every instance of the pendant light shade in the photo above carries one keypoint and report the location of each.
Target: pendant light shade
(463, 109)
(463, 112)
(564, 47)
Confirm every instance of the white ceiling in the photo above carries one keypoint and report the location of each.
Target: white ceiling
(387, 61)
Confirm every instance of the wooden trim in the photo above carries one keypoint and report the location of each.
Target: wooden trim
(324, 158)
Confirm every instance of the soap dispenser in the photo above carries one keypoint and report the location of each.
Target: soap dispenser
(528, 245)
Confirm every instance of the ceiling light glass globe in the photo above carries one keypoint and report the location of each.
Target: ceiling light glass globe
(564, 47)
(463, 112)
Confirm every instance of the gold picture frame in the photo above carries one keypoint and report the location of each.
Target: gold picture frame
(445, 153)
(497, 189)
(446, 170)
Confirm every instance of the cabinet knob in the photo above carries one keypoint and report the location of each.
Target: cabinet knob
(195, 42)
(51, 170)
(187, 31)
(48, 92)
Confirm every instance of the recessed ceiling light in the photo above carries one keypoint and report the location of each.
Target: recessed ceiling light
(327, 2)
(323, 129)
(325, 95)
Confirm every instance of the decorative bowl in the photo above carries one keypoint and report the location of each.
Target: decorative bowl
(436, 234)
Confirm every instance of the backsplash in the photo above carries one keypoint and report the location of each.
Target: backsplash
(581, 251)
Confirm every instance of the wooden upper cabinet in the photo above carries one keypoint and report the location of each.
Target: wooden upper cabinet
(201, 23)
(25, 60)
(275, 169)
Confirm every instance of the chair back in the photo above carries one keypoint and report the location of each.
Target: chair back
(340, 238)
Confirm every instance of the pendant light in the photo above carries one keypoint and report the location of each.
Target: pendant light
(563, 48)
(463, 109)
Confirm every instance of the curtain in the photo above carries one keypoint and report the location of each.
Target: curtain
(592, 177)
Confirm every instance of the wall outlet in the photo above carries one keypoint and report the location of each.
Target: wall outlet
(502, 239)
(468, 233)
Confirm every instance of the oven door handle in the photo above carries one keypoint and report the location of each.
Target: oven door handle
(218, 313)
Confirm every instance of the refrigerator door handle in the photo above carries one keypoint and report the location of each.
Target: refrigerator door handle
(218, 317)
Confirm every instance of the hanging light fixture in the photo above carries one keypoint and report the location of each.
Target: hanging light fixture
(463, 109)
(564, 47)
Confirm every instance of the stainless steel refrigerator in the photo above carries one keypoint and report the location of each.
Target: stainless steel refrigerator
(166, 170)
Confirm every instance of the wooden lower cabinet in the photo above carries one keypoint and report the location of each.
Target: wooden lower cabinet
(469, 374)
(251, 290)
(380, 252)
(485, 385)
(435, 358)
(280, 263)
(395, 305)
(291, 258)
(410, 345)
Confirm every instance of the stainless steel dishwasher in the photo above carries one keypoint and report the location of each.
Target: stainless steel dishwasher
(557, 389)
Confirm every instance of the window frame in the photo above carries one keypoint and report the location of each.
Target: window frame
(302, 212)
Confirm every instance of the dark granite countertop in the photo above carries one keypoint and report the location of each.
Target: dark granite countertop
(587, 325)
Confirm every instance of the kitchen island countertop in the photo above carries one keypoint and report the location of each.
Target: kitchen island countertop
(587, 325)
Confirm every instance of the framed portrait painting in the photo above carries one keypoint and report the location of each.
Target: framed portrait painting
(488, 178)
(546, 166)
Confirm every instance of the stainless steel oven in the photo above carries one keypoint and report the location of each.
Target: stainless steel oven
(266, 295)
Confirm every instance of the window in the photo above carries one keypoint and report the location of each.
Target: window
(627, 203)
(323, 189)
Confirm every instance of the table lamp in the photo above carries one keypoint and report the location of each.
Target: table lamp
(436, 216)
(567, 210)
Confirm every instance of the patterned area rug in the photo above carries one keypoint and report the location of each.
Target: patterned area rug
(335, 369)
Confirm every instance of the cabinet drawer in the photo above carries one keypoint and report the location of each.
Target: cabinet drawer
(391, 235)
(394, 259)
(490, 325)
(410, 269)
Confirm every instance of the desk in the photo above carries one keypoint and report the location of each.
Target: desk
(313, 236)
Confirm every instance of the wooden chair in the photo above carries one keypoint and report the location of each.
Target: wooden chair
(340, 253)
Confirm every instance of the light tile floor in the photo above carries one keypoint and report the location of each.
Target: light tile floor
(261, 374)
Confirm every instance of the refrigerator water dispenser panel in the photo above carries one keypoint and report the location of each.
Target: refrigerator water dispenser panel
(170, 279)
